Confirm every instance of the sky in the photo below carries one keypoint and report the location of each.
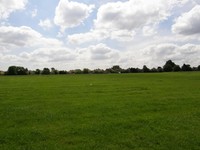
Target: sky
(77, 34)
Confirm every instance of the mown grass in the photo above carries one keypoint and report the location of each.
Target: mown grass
(116, 111)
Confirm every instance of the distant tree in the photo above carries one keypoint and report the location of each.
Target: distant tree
(167, 68)
(194, 69)
(98, 71)
(62, 72)
(160, 69)
(78, 71)
(22, 71)
(12, 70)
(86, 71)
(54, 71)
(154, 70)
(186, 67)
(145, 69)
(134, 70)
(169, 65)
(170, 62)
(108, 70)
(72, 72)
(31, 72)
(17, 70)
(37, 71)
(125, 71)
(45, 71)
(176, 68)
(116, 69)
(198, 68)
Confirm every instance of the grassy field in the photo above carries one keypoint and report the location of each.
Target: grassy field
(118, 111)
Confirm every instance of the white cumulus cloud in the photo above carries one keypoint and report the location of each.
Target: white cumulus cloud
(46, 24)
(188, 23)
(122, 20)
(148, 31)
(157, 54)
(9, 6)
(98, 35)
(133, 14)
(71, 14)
(103, 52)
(16, 37)
(97, 56)
(57, 54)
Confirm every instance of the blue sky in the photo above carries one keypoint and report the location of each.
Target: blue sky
(71, 34)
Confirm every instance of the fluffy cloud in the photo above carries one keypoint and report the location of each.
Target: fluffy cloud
(71, 14)
(49, 55)
(188, 23)
(127, 15)
(98, 35)
(158, 54)
(97, 56)
(148, 31)
(122, 20)
(46, 24)
(40, 58)
(93, 56)
(93, 35)
(98, 52)
(15, 37)
(102, 56)
(9, 6)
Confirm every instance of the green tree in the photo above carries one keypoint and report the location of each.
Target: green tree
(98, 71)
(134, 70)
(62, 72)
(78, 71)
(186, 67)
(176, 68)
(198, 68)
(145, 69)
(160, 69)
(154, 70)
(22, 71)
(86, 71)
(169, 65)
(37, 71)
(46, 71)
(116, 69)
(17, 70)
(12, 70)
(54, 71)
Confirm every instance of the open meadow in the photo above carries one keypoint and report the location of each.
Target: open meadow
(153, 111)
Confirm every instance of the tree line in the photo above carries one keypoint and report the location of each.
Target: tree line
(169, 66)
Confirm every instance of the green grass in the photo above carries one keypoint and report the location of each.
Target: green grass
(119, 111)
